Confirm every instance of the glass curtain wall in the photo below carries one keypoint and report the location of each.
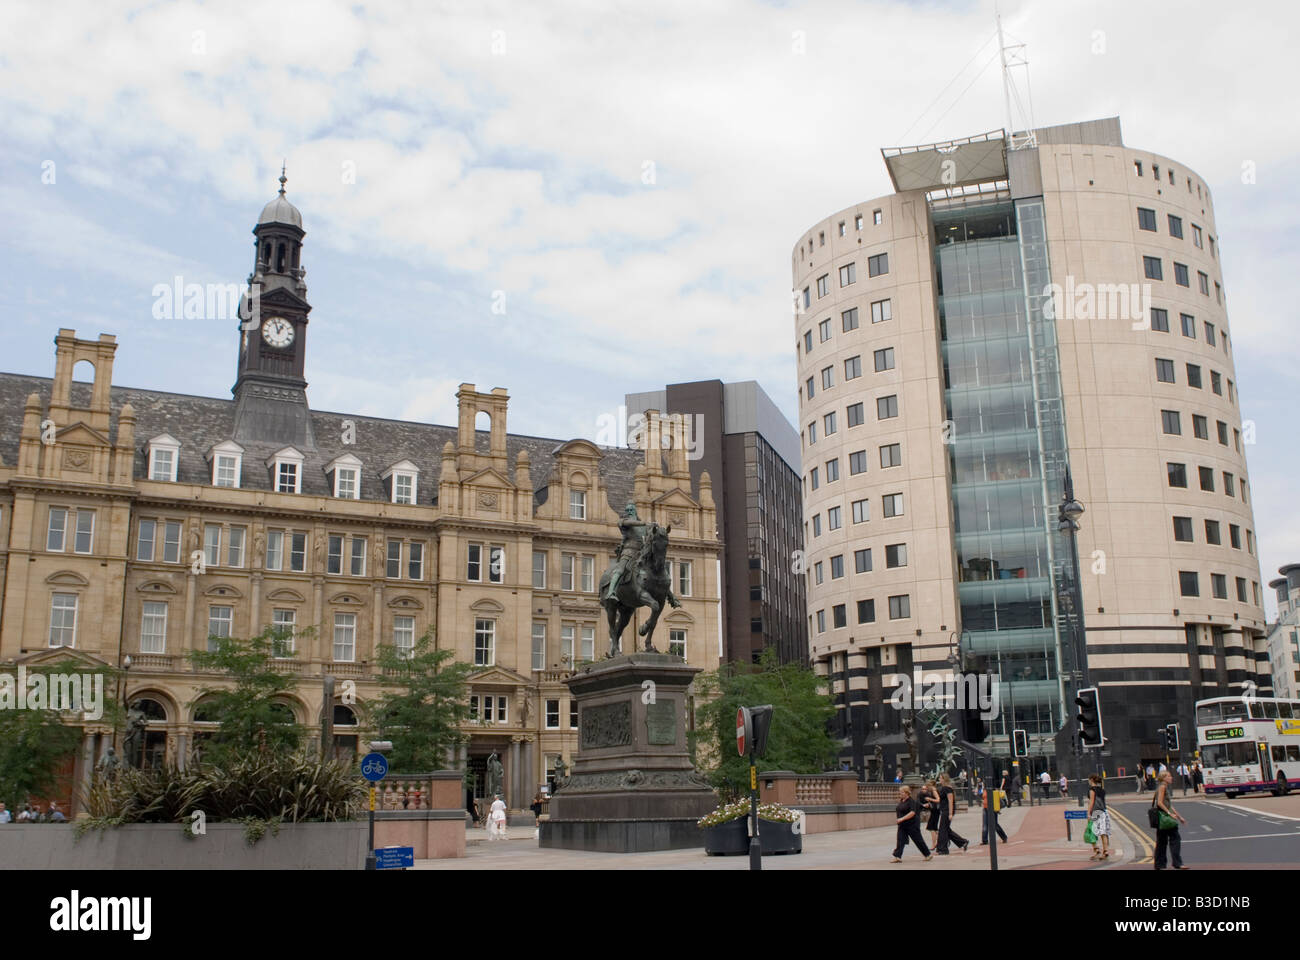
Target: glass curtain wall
(1001, 522)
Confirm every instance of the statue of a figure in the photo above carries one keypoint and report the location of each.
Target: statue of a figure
(633, 530)
(495, 775)
(133, 745)
(909, 737)
(638, 577)
(561, 771)
(109, 763)
(879, 755)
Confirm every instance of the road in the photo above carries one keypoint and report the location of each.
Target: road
(1249, 832)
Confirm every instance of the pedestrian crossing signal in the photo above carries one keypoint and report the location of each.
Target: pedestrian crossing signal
(1171, 737)
(1020, 743)
(1088, 719)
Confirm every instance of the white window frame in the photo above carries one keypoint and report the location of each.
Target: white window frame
(275, 549)
(168, 526)
(234, 454)
(211, 545)
(281, 647)
(390, 561)
(415, 546)
(227, 620)
(351, 466)
(587, 637)
(496, 563)
(288, 457)
(577, 504)
(587, 573)
(164, 443)
(485, 654)
(403, 471)
(77, 533)
(153, 626)
(62, 513)
(539, 645)
(404, 636)
(345, 638)
(474, 562)
(568, 567)
(543, 556)
(236, 541)
(56, 606)
(677, 637)
(683, 578)
(556, 724)
(356, 558)
(140, 539)
(568, 641)
(292, 536)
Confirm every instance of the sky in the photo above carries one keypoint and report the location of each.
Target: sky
(578, 200)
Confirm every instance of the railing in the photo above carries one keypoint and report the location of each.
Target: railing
(877, 792)
(153, 661)
(398, 792)
(554, 676)
(813, 790)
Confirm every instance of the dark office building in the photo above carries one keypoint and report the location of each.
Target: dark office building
(736, 433)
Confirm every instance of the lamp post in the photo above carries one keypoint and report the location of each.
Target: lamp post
(1071, 592)
(121, 696)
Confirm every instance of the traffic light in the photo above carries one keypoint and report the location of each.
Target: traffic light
(1162, 738)
(1171, 738)
(762, 723)
(1088, 719)
(1020, 743)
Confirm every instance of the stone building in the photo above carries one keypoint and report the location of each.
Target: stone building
(136, 523)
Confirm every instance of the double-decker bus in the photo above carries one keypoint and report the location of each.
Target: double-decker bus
(1248, 744)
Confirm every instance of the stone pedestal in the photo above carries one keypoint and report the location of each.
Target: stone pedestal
(633, 787)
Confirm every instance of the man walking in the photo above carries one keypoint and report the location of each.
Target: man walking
(1045, 781)
(5, 815)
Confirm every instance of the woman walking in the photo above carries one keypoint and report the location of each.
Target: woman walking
(909, 826)
(1099, 817)
(1168, 840)
(930, 796)
(947, 810)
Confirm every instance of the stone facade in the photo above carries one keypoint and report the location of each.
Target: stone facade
(135, 523)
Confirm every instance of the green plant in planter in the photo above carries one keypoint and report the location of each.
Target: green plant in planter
(773, 812)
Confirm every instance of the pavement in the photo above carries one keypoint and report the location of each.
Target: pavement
(1036, 842)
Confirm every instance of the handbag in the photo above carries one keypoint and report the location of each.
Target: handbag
(1089, 836)
(1167, 822)
(1153, 814)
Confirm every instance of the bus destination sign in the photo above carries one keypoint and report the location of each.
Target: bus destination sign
(1225, 733)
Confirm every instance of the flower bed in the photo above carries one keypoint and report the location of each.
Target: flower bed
(726, 831)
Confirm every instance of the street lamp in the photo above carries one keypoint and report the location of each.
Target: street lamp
(121, 695)
(1071, 591)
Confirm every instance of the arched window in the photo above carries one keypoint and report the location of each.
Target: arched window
(279, 258)
(346, 733)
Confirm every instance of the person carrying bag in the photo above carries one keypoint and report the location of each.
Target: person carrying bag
(1166, 820)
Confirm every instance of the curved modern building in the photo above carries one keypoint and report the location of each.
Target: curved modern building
(1019, 312)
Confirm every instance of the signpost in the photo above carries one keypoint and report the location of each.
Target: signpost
(374, 767)
(394, 858)
(1073, 815)
(752, 725)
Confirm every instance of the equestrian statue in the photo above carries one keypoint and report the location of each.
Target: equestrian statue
(638, 577)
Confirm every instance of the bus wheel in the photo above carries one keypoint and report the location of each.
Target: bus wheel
(1230, 795)
(1283, 788)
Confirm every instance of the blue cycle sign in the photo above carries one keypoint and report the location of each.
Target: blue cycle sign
(374, 767)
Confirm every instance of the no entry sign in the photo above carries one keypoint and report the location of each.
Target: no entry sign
(742, 725)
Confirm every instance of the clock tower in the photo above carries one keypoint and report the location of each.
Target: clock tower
(270, 390)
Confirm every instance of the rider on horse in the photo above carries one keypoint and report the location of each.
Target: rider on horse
(634, 531)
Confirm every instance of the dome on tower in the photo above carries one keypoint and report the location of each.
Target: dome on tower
(280, 210)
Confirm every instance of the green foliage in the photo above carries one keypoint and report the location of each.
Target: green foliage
(252, 717)
(798, 740)
(422, 706)
(736, 810)
(257, 790)
(34, 744)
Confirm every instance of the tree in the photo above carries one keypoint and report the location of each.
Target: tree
(798, 740)
(423, 704)
(252, 717)
(36, 742)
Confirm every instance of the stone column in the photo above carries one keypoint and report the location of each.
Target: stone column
(322, 629)
(87, 767)
(182, 749)
(529, 773)
(255, 604)
(515, 773)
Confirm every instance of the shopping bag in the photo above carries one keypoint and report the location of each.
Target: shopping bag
(1088, 835)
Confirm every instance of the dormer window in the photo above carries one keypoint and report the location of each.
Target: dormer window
(347, 476)
(227, 461)
(577, 505)
(164, 455)
(286, 470)
(402, 480)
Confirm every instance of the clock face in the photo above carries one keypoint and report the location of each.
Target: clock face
(277, 332)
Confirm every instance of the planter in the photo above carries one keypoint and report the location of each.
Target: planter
(732, 838)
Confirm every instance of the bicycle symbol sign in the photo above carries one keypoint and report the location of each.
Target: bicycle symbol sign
(374, 767)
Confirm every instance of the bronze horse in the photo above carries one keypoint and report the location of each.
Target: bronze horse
(649, 586)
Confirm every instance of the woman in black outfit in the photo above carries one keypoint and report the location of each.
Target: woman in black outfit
(1099, 817)
(1169, 844)
(947, 809)
(930, 796)
(909, 826)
